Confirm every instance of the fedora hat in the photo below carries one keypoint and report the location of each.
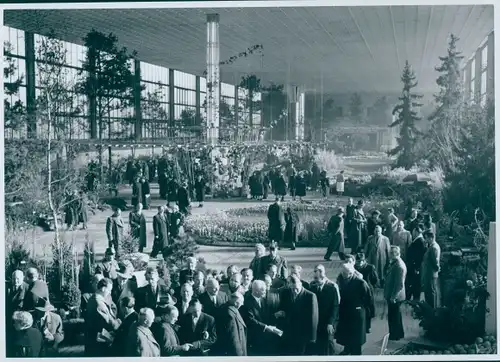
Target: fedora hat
(110, 251)
(43, 305)
(124, 271)
(165, 300)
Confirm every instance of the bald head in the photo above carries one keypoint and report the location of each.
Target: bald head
(259, 288)
(319, 273)
(17, 278)
(212, 286)
(347, 270)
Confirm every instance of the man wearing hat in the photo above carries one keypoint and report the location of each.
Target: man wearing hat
(114, 229)
(123, 285)
(50, 325)
(336, 229)
(153, 293)
(165, 334)
(108, 266)
(37, 289)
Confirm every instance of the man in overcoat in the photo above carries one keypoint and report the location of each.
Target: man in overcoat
(395, 294)
(232, 329)
(160, 229)
(336, 230)
(277, 224)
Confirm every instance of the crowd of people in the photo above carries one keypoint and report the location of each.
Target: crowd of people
(264, 309)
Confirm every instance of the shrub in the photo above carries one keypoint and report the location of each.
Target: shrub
(129, 245)
(71, 296)
(329, 161)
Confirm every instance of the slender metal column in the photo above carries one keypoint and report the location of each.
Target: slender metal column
(137, 100)
(213, 78)
(30, 83)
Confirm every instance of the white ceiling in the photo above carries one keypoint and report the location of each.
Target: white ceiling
(346, 48)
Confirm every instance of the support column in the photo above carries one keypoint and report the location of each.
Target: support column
(30, 83)
(468, 77)
(298, 119)
(490, 70)
(92, 95)
(213, 78)
(236, 110)
(477, 77)
(137, 100)
(198, 102)
(171, 99)
(491, 302)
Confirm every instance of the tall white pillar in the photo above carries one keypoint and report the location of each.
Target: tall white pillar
(298, 104)
(213, 78)
(491, 303)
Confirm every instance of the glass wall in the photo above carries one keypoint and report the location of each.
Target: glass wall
(119, 119)
(478, 85)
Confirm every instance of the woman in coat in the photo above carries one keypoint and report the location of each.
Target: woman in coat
(183, 199)
(266, 184)
(357, 229)
(259, 185)
(82, 209)
(291, 227)
(280, 187)
(146, 193)
(27, 341)
(300, 186)
(137, 223)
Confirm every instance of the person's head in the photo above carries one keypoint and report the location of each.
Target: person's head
(235, 281)
(17, 278)
(174, 208)
(375, 214)
(259, 288)
(152, 276)
(96, 278)
(350, 202)
(104, 287)
(168, 313)
(42, 308)
(117, 211)
(294, 284)
(146, 317)
(347, 270)
(236, 299)
(231, 269)
(414, 213)
(361, 203)
(260, 250)
(390, 210)
(186, 292)
(296, 270)
(378, 230)
(360, 259)
(395, 252)
(268, 280)
(340, 211)
(401, 225)
(191, 263)
(31, 275)
(419, 229)
(272, 271)
(22, 320)
(429, 236)
(127, 305)
(212, 286)
(199, 278)
(161, 208)
(247, 276)
(109, 254)
(195, 307)
(138, 207)
(349, 258)
(319, 273)
(273, 250)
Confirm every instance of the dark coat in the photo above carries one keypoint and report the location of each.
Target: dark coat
(357, 230)
(415, 255)
(167, 338)
(179, 305)
(336, 230)
(255, 265)
(279, 261)
(176, 221)
(38, 289)
(280, 186)
(137, 192)
(300, 186)
(138, 228)
(121, 291)
(291, 227)
(232, 332)
(208, 305)
(121, 335)
(144, 297)
(108, 269)
(257, 317)
(172, 188)
(194, 336)
(199, 187)
(276, 219)
(301, 318)
(182, 197)
(355, 301)
(26, 343)
(14, 299)
(370, 276)
(160, 230)
(328, 314)
(146, 190)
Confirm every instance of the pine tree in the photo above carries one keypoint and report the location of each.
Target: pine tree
(446, 118)
(406, 112)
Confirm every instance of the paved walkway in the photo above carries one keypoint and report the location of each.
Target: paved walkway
(220, 257)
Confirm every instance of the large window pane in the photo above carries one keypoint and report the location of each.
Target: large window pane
(483, 82)
(484, 57)
(154, 73)
(473, 68)
(184, 80)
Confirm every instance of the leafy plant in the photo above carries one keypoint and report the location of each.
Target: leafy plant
(71, 296)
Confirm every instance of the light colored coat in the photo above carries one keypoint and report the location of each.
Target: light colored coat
(394, 287)
(430, 264)
(402, 239)
(377, 253)
(141, 342)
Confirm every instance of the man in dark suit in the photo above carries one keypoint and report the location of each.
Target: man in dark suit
(15, 294)
(213, 298)
(197, 329)
(232, 330)
(262, 336)
(186, 293)
(336, 230)
(299, 307)
(277, 224)
(395, 294)
(165, 334)
(128, 317)
(297, 270)
(160, 230)
(150, 295)
(37, 289)
(328, 297)
(273, 258)
(187, 275)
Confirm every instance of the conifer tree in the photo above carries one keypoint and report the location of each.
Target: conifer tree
(407, 116)
(446, 118)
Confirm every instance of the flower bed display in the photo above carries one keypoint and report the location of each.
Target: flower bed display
(482, 345)
(249, 226)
